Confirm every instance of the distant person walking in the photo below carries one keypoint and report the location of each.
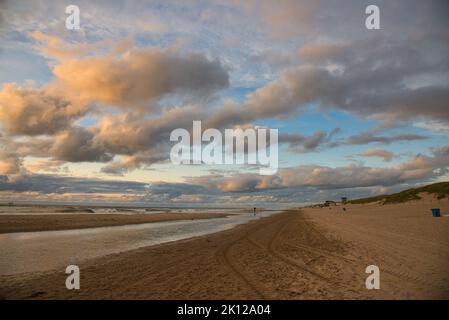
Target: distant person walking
(254, 211)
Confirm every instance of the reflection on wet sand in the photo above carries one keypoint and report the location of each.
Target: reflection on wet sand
(40, 251)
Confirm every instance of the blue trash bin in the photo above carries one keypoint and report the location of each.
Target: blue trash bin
(436, 212)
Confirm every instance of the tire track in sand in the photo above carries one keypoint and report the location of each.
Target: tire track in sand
(304, 266)
(224, 257)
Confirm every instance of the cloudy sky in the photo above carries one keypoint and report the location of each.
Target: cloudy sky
(86, 115)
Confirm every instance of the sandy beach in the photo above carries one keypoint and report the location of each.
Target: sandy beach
(312, 253)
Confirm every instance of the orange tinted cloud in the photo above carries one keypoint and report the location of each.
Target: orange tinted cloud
(320, 51)
(26, 111)
(140, 75)
(384, 154)
(284, 18)
(55, 47)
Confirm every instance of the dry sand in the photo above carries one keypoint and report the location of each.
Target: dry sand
(26, 223)
(410, 247)
(299, 254)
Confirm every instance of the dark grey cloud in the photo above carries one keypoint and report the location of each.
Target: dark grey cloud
(302, 183)
(48, 184)
(131, 133)
(385, 78)
(78, 145)
(366, 137)
(321, 140)
(137, 161)
(300, 143)
(163, 191)
(10, 163)
(32, 186)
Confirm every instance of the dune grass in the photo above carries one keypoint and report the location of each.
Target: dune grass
(441, 190)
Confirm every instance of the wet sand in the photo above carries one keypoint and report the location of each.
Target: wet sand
(49, 222)
(298, 254)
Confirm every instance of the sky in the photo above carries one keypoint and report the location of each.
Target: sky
(86, 115)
